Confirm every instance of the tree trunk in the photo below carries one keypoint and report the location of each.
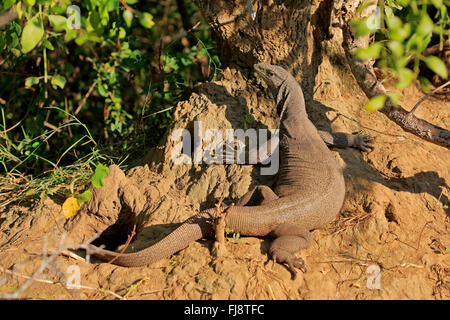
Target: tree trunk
(7, 17)
(286, 33)
(296, 35)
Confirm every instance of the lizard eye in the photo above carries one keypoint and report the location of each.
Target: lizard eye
(270, 73)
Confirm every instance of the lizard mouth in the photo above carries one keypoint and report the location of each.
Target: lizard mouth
(260, 71)
(259, 68)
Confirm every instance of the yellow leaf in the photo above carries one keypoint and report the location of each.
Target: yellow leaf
(19, 10)
(70, 207)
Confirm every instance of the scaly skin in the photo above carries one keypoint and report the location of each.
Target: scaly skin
(309, 191)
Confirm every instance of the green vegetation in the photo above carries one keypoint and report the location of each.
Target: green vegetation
(84, 84)
(235, 236)
(401, 32)
(89, 82)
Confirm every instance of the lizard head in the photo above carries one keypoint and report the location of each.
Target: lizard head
(274, 76)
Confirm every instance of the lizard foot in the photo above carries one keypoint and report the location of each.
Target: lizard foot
(291, 260)
(363, 141)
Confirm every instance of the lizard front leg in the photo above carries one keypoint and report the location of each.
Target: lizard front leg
(290, 238)
(332, 139)
(345, 140)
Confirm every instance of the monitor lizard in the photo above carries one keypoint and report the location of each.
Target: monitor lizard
(309, 191)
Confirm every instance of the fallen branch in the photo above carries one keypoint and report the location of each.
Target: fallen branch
(85, 98)
(48, 259)
(364, 75)
(7, 17)
(54, 282)
(428, 95)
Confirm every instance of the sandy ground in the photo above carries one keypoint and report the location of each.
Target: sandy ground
(389, 241)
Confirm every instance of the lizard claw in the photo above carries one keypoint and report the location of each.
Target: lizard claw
(292, 262)
(298, 263)
(363, 141)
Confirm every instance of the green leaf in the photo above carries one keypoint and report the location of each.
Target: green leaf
(14, 40)
(95, 23)
(363, 6)
(396, 48)
(400, 34)
(30, 2)
(388, 12)
(58, 81)
(58, 9)
(393, 4)
(84, 197)
(403, 3)
(132, 1)
(425, 26)
(437, 3)
(361, 28)
(414, 44)
(376, 103)
(100, 173)
(405, 77)
(58, 23)
(425, 83)
(70, 35)
(81, 40)
(437, 66)
(48, 45)
(8, 4)
(93, 37)
(122, 33)
(146, 20)
(373, 51)
(103, 90)
(128, 17)
(16, 52)
(31, 81)
(111, 5)
(15, 27)
(394, 23)
(395, 97)
(32, 34)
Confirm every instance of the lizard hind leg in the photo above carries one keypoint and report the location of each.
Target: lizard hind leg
(290, 238)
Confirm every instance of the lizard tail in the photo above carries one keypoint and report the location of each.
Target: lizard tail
(194, 228)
